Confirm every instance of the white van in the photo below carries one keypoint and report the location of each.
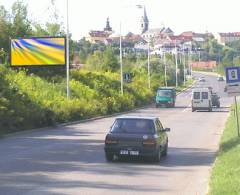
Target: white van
(201, 99)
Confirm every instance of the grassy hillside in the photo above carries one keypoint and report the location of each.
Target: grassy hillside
(29, 101)
(225, 175)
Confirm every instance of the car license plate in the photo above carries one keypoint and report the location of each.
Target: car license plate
(134, 153)
(124, 152)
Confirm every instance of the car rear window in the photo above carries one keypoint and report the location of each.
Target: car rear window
(133, 126)
(196, 95)
(204, 95)
(164, 93)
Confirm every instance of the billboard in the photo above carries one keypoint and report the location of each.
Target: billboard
(38, 51)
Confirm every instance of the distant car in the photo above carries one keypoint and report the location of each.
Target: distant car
(136, 136)
(220, 78)
(202, 79)
(165, 96)
(215, 100)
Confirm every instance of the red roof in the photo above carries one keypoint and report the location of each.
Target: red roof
(180, 38)
(230, 34)
(97, 33)
(187, 34)
(204, 64)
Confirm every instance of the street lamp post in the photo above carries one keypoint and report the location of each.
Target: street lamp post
(149, 80)
(176, 63)
(199, 55)
(165, 68)
(184, 66)
(190, 62)
(67, 56)
(120, 56)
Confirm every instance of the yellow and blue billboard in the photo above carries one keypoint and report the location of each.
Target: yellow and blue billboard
(38, 51)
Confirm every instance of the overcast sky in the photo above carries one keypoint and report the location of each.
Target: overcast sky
(179, 15)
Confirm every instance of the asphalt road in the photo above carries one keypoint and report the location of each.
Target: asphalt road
(70, 160)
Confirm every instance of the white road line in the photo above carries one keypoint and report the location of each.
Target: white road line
(188, 108)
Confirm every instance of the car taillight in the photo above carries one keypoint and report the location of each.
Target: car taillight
(110, 141)
(149, 142)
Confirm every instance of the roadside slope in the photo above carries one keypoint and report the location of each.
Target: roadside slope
(225, 178)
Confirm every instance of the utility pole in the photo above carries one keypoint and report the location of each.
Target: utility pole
(120, 56)
(199, 55)
(184, 66)
(67, 50)
(149, 80)
(176, 63)
(236, 112)
(165, 68)
(189, 62)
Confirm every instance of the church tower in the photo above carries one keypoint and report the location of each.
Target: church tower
(144, 22)
(108, 27)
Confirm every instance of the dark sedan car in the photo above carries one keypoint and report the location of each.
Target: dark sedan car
(136, 136)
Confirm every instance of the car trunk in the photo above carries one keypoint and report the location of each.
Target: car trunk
(132, 140)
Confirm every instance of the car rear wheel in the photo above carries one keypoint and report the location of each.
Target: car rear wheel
(109, 157)
(193, 109)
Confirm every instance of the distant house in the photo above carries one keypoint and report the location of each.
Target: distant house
(224, 38)
(208, 65)
(99, 36)
(169, 44)
(141, 46)
(134, 38)
(197, 37)
(156, 33)
(96, 36)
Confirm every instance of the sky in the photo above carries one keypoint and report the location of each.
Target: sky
(180, 15)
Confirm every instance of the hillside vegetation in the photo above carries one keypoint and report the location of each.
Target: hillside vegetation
(29, 101)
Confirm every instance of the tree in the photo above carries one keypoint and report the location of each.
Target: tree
(3, 55)
(4, 29)
(21, 26)
(94, 61)
(110, 62)
(84, 48)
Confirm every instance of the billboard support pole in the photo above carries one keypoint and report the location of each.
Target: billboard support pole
(236, 112)
(67, 50)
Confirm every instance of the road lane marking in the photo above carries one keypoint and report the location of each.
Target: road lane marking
(188, 108)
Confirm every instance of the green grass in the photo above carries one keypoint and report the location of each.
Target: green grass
(225, 178)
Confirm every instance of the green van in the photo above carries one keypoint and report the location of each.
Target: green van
(166, 96)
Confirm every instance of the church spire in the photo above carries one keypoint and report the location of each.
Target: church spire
(145, 15)
(108, 27)
(144, 22)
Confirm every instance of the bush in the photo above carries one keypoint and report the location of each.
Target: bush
(29, 101)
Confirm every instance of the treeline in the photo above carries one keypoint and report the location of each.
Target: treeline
(224, 55)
